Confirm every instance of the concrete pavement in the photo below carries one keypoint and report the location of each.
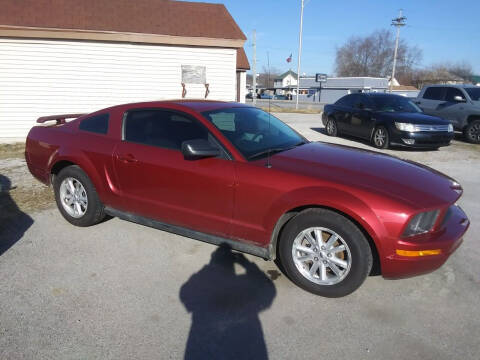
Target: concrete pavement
(114, 291)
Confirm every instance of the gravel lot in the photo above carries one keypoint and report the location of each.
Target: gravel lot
(122, 291)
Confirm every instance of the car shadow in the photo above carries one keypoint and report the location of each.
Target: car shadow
(461, 138)
(365, 142)
(225, 308)
(13, 221)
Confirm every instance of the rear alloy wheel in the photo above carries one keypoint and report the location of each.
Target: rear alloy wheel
(324, 253)
(73, 197)
(77, 198)
(472, 132)
(331, 127)
(380, 138)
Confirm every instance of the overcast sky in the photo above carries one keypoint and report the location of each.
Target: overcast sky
(446, 30)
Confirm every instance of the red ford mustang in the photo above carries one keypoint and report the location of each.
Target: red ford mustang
(234, 175)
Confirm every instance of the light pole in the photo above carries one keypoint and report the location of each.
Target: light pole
(254, 79)
(398, 23)
(299, 52)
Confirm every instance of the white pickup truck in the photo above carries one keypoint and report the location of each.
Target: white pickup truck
(458, 103)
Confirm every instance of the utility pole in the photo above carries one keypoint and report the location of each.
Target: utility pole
(254, 68)
(299, 52)
(398, 23)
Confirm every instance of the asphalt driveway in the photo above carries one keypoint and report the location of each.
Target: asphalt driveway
(119, 290)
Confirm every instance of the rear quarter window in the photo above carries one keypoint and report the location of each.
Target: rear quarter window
(96, 124)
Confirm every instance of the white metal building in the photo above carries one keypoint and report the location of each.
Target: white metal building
(58, 58)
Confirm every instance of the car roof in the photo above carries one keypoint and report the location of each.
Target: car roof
(379, 94)
(452, 85)
(372, 95)
(195, 105)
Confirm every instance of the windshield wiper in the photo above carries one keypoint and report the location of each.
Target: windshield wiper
(272, 151)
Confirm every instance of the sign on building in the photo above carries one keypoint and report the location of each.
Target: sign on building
(320, 77)
(193, 74)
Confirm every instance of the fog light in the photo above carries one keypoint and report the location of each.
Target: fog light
(409, 141)
(412, 253)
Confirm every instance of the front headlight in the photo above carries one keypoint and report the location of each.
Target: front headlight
(405, 127)
(450, 128)
(421, 223)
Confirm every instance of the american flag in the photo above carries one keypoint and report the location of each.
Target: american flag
(289, 59)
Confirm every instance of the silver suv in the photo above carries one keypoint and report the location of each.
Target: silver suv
(458, 103)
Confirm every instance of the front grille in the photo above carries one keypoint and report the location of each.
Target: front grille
(422, 127)
(434, 139)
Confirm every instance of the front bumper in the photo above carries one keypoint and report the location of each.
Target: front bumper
(447, 239)
(421, 139)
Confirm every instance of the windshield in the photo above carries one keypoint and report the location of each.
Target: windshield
(474, 93)
(254, 132)
(388, 103)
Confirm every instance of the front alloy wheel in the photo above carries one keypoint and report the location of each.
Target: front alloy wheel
(324, 252)
(380, 138)
(321, 256)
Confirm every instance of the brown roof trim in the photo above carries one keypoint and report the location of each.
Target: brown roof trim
(242, 60)
(74, 34)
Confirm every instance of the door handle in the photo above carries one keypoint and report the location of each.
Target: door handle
(128, 158)
(418, 102)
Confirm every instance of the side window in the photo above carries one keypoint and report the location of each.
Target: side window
(434, 93)
(452, 92)
(224, 121)
(357, 100)
(162, 128)
(346, 101)
(96, 124)
(363, 102)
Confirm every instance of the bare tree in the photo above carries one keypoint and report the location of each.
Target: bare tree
(462, 69)
(267, 76)
(372, 55)
(460, 72)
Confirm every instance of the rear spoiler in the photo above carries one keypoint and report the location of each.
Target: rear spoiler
(61, 119)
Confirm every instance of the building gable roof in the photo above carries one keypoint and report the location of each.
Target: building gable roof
(149, 17)
(242, 60)
(285, 74)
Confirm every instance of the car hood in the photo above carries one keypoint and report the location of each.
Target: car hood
(374, 172)
(414, 118)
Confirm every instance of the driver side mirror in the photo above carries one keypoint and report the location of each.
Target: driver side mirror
(458, 98)
(198, 149)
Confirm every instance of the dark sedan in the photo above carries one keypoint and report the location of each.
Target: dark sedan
(384, 120)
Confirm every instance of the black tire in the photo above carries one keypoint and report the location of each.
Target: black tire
(381, 137)
(472, 132)
(95, 211)
(359, 256)
(331, 127)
